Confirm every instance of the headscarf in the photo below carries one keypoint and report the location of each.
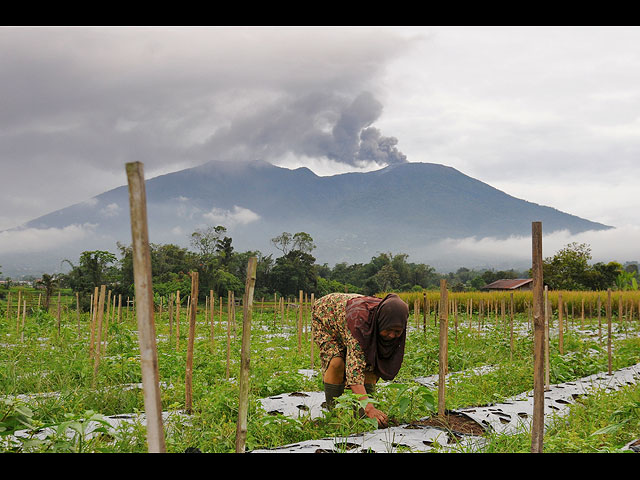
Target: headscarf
(366, 318)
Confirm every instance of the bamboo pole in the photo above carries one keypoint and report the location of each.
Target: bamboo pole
(18, 312)
(8, 306)
(212, 303)
(511, 327)
(300, 323)
(537, 427)
(228, 332)
(599, 319)
(245, 358)
(192, 332)
(144, 294)
(78, 311)
(560, 325)
(58, 314)
(100, 313)
(171, 306)
(177, 320)
(442, 355)
(24, 317)
(313, 302)
(609, 329)
(547, 310)
(94, 309)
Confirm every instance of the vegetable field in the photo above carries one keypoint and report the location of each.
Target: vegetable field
(70, 381)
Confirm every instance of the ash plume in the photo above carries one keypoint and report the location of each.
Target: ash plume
(313, 125)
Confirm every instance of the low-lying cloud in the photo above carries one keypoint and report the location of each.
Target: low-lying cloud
(619, 244)
(32, 240)
(231, 218)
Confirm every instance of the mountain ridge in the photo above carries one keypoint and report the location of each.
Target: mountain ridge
(351, 216)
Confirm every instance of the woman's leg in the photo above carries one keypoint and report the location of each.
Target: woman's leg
(333, 380)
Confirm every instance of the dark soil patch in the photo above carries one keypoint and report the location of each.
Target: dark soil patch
(455, 422)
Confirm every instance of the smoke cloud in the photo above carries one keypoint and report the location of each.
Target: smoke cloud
(313, 125)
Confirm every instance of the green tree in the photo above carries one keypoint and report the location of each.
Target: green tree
(48, 283)
(95, 268)
(282, 242)
(387, 278)
(302, 241)
(601, 276)
(567, 269)
(207, 240)
(294, 272)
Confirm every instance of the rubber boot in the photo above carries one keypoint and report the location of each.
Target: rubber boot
(331, 392)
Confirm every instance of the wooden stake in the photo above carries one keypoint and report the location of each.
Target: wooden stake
(177, 320)
(24, 317)
(243, 404)
(78, 311)
(442, 356)
(58, 311)
(100, 313)
(609, 328)
(144, 295)
(94, 307)
(537, 427)
(560, 325)
(599, 319)
(547, 310)
(212, 303)
(300, 323)
(228, 332)
(192, 331)
(313, 301)
(511, 327)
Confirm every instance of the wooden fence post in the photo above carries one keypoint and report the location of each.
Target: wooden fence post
(144, 296)
(245, 356)
(99, 317)
(537, 428)
(609, 328)
(192, 333)
(560, 325)
(442, 355)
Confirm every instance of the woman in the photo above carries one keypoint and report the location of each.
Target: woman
(360, 339)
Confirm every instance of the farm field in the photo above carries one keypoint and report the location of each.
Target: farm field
(60, 394)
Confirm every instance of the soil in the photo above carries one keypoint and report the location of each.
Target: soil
(455, 422)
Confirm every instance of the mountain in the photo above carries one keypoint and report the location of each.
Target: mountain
(402, 208)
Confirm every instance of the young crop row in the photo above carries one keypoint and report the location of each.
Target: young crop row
(43, 356)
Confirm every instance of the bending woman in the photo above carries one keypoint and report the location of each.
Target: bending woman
(360, 339)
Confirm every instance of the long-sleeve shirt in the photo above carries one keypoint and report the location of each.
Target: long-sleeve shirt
(331, 333)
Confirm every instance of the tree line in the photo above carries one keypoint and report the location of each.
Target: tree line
(222, 269)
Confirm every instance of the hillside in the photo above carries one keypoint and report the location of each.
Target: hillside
(351, 217)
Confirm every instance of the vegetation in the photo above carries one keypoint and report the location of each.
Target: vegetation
(64, 398)
(55, 393)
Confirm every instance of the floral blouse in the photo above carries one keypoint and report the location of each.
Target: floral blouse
(334, 339)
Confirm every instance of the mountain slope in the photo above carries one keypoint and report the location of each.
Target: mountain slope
(351, 216)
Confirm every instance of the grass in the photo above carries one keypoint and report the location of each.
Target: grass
(47, 362)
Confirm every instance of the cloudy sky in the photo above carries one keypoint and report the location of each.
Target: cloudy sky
(550, 115)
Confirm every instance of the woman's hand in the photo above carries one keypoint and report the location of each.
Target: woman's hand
(372, 412)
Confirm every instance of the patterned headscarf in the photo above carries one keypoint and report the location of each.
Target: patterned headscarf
(366, 318)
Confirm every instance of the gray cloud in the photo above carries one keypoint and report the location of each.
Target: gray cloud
(78, 103)
(315, 125)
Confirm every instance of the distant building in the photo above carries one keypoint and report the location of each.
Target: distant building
(510, 284)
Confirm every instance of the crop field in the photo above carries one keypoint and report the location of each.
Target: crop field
(70, 381)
